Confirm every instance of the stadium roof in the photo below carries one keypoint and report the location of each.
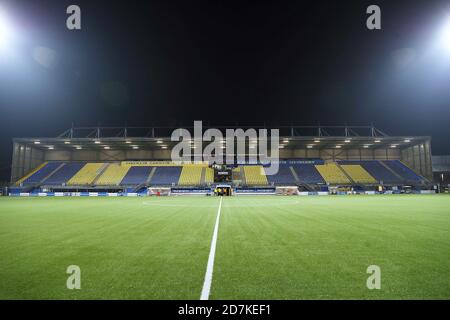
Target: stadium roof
(291, 137)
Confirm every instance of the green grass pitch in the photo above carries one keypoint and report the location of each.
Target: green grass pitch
(268, 247)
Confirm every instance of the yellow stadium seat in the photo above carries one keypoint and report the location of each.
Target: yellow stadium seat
(209, 175)
(190, 175)
(358, 173)
(87, 174)
(113, 175)
(332, 174)
(255, 175)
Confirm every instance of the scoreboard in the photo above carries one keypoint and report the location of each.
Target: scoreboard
(222, 173)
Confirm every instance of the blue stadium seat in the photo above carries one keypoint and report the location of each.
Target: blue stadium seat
(307, 173)
(38, 176)
(136, 175)
(403, 171)
(376, 170)
(166, 175)
(65, 173)
(284, 176)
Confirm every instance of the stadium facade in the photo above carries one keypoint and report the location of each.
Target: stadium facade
(121, 159)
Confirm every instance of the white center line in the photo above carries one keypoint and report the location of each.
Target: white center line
(209, 269)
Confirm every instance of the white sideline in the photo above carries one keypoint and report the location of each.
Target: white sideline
(212, 253)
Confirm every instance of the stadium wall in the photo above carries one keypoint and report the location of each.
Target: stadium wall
(25, 159)
(418, 158)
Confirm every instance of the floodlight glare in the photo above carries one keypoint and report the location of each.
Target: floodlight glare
(5, 30)
(445, 35)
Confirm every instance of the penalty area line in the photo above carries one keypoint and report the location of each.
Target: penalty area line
(212, 252)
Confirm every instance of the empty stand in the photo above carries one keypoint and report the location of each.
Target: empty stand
(55, 173)
(403, 171)
(166, 175)
(190, 176)
(113, 175)
(65, 173)
(42, 173)
(283, 176)
(358, 174)
(308, 174)
(255, 175)
(332, 174)
(87, 174)
(379, 172)
(136, 175)
(21, 180)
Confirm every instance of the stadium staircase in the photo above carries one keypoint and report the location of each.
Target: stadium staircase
(41, 174)
(202, 176)
(345, 173)
(357, 174)
(52, 173)
(88, 174)
(52, 168)
(306, 186)
(147, 181)
(408, 175)
(282, 177)
(332, 173)
(377, 171)
(399, 177)
(32, 172)
(308, 175)
(112, 175)
(150, 176)
(208, 175)
(294, 174)
(64, 174)
(138, 175)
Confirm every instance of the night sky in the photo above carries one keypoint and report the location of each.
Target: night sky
(172, 62)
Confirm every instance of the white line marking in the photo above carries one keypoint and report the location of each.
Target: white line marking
(212, 253)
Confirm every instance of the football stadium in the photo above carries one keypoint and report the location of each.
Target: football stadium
(140, 226)
(216, 154)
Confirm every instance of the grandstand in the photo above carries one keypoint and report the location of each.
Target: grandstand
(119, 161)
